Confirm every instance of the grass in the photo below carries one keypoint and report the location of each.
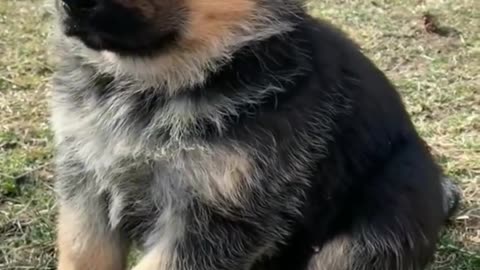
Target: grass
(430, 49)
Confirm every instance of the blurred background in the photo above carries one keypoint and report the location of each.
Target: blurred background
(430, 49)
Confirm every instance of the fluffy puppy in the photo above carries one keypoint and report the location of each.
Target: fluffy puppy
(232, 134)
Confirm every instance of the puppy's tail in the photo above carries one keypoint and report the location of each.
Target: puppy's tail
(451, 197)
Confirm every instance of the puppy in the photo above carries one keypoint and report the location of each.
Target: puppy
(233, 134)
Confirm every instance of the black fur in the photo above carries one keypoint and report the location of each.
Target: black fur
(377, 174)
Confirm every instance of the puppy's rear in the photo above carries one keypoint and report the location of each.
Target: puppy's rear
(238, 134)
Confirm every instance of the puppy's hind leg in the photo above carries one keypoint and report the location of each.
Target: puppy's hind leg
(375, 248)
(393, 218)
(366, 252)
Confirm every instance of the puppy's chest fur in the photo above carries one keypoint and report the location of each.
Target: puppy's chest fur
(148, 192)
(141, 149)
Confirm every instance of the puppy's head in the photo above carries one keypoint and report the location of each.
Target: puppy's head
(166, 39)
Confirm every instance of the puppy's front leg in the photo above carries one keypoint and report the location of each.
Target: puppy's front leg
(207, 241)
(85, 242)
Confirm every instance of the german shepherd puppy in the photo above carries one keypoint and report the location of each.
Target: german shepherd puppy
(233, 135)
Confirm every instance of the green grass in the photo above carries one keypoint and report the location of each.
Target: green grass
(435, 64)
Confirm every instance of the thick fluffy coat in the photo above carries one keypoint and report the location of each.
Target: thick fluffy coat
(239, 135)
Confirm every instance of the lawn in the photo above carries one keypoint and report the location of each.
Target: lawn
(430, 49)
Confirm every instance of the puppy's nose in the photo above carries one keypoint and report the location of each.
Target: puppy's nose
(80, 6)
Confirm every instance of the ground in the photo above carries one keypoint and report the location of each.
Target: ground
(430, 49)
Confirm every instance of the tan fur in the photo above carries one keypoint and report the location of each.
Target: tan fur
(80, 248)
(334, 255)
(210, 21)
(221, 175)
(156, 260)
